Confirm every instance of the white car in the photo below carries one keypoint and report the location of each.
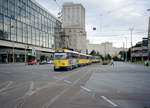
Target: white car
(50, 62)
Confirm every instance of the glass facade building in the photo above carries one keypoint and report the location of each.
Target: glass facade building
(25, 21)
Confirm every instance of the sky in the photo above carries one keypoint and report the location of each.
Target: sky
(112, 19)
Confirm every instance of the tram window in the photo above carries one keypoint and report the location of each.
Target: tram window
(60, 56)
(82, 57)
(74, 55)
(69, 56)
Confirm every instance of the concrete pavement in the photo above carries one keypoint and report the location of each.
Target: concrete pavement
(95, 86)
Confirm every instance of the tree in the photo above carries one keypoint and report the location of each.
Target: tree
(101, 57)
(108, 57)
(129, 54)
(97, 53)
(115, 57)
(87, 51)
(93, 53)
(122, 54)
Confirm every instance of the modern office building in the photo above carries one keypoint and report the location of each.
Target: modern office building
(73, 21)
(27, 31)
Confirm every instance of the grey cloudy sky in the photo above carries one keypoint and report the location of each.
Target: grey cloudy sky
(112, 19)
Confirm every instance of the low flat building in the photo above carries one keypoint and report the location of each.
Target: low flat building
(105, 48)
(27, 31)
(140, 50)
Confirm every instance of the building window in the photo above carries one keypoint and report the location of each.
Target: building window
(1, 6)
(33, 36)
(50, 41)
(5, 7)
(37, 37)
(47, 42)
(13, 30)
(40, 36)
(29, 35)
(19, 35)
(1, 26)
(6, 28)
(5, 3)
(25, 33)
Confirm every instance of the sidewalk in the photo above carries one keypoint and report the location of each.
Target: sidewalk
(140, 63)
(13, 64)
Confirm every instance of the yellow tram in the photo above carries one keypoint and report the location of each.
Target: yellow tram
(67, 59)
(95, 59)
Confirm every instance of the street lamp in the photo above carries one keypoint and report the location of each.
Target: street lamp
(126, 48)
(131, 30)
(101, 16)
(148, 9)
(148, 35)
(13, 52)
(26, 47)
(59, 13)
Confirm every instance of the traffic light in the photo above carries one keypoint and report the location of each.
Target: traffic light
(94, 28)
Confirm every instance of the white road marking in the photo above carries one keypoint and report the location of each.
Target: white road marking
(69, 82)
(109, 101)
(56, 78)
(47, 105)
(86, 89)
(55, 98)
(6, 87)
(20, 104)
(13, 86)
(30, 91)
(31, 85)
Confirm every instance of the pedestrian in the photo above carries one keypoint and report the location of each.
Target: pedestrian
(146, 62)
(100, 61)
(112, 62)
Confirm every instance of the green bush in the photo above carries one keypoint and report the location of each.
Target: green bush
(106, 62)
(141, 62)
(138, 62)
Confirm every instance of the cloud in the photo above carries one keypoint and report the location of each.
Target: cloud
(110, 17)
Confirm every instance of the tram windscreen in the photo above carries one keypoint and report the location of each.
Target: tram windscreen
(60, 56)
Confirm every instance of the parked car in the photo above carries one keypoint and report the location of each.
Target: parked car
(32, 63)
(46, 62)
(43, 62)
(50, 62)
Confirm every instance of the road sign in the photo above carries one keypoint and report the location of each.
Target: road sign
(12, 17)
(33, 52)
(94, 28)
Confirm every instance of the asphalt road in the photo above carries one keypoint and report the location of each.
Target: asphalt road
(94, 86)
